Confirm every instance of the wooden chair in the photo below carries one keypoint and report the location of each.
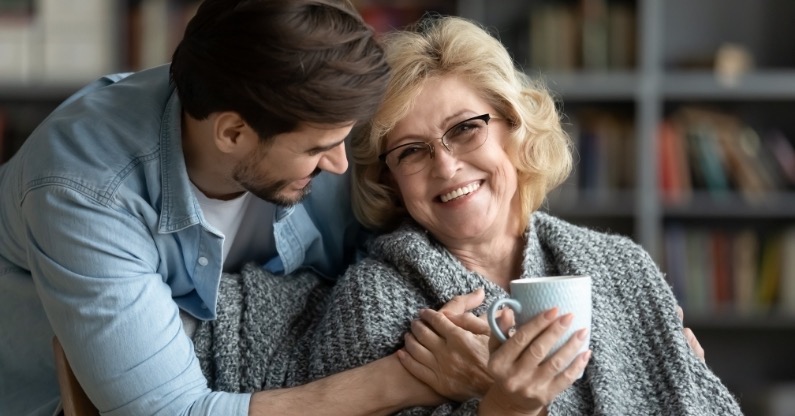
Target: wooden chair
(74, 399)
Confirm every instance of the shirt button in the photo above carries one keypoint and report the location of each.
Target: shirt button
(203, 261)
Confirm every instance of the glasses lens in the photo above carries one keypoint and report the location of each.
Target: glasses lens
(466, 136)
(409, 158)
(463, 137)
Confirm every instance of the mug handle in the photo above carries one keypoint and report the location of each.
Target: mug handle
(511, 303)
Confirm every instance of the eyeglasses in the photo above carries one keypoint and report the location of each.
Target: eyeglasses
(464, 137)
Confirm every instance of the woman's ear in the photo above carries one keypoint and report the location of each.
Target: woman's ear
(232, 134)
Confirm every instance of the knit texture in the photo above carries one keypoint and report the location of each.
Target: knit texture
(280, 331)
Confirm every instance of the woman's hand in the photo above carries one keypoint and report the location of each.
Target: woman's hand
(525, 382)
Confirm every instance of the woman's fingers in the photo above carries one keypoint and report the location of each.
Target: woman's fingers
(560, 359)
(524, 336)
(505, 322)
(539, 349)
(566, 365)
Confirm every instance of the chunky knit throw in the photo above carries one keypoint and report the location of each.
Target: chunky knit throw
(279, 331)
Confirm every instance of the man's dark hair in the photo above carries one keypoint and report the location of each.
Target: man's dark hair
(279, 63)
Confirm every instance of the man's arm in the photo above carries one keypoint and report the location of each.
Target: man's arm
(95, 269)
(381, 387)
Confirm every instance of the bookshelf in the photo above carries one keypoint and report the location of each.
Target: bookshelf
(661, 58)
(730, 58)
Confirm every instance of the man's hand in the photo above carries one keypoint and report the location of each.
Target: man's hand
(690, 336)
(449, 349)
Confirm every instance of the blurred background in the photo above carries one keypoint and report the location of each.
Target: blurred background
(682, 113)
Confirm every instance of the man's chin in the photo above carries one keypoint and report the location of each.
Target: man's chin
(286, 198)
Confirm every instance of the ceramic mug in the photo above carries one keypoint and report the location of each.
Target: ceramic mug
(534, 295)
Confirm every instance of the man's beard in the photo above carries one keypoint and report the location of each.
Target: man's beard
(263, 188)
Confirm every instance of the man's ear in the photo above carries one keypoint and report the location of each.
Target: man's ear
(232, 134)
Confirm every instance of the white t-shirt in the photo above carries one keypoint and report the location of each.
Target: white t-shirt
(246, 223)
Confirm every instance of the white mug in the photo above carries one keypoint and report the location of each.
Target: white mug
(532, 296)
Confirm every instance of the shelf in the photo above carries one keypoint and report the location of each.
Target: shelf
(745, 322)
(598, 86)
(779, 205)
(591, 204)
(37, 92)
(759, 85)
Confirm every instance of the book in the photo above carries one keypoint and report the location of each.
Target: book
(595, 54)
(745, 261)
(673, 166)
(675, 254)
(782, 155)
(787, 282)
(621, 35)
(699, 272)
(723, 289)
(554, 33)
(769, 271)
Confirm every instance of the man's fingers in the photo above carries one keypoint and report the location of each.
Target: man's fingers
(680, 313)
(417, 350)
(426, 334)
(471, 323)
(438, 322)
(416, 368)
(464, 303)
(694, 344)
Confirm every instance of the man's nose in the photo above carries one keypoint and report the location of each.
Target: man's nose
(334, 160)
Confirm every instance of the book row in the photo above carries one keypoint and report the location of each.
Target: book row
(741, 271)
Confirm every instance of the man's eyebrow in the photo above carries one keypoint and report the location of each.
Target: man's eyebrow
(320, 149)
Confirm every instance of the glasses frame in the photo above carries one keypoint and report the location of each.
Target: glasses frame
(430, 144)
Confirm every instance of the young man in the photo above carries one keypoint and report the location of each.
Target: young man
(124, 207)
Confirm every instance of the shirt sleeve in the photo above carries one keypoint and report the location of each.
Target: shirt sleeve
(95, 268)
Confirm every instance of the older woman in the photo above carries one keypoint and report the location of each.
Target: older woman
(452, 168)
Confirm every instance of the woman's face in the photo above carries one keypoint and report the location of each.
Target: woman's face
(459, 198)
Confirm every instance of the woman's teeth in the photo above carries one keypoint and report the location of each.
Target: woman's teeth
(460, 192)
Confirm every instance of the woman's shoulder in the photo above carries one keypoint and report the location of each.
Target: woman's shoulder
(402, 244)
(581, 247)
(551, 228)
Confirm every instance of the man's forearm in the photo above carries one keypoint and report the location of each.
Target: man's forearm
(379, 388)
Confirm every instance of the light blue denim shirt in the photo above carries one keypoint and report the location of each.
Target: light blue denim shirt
(102, 241)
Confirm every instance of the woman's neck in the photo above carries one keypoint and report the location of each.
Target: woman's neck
(499, 260)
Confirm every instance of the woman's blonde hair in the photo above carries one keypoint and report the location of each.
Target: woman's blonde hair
(440, 46)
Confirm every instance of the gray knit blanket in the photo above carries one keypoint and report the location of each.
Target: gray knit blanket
(281, 331)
